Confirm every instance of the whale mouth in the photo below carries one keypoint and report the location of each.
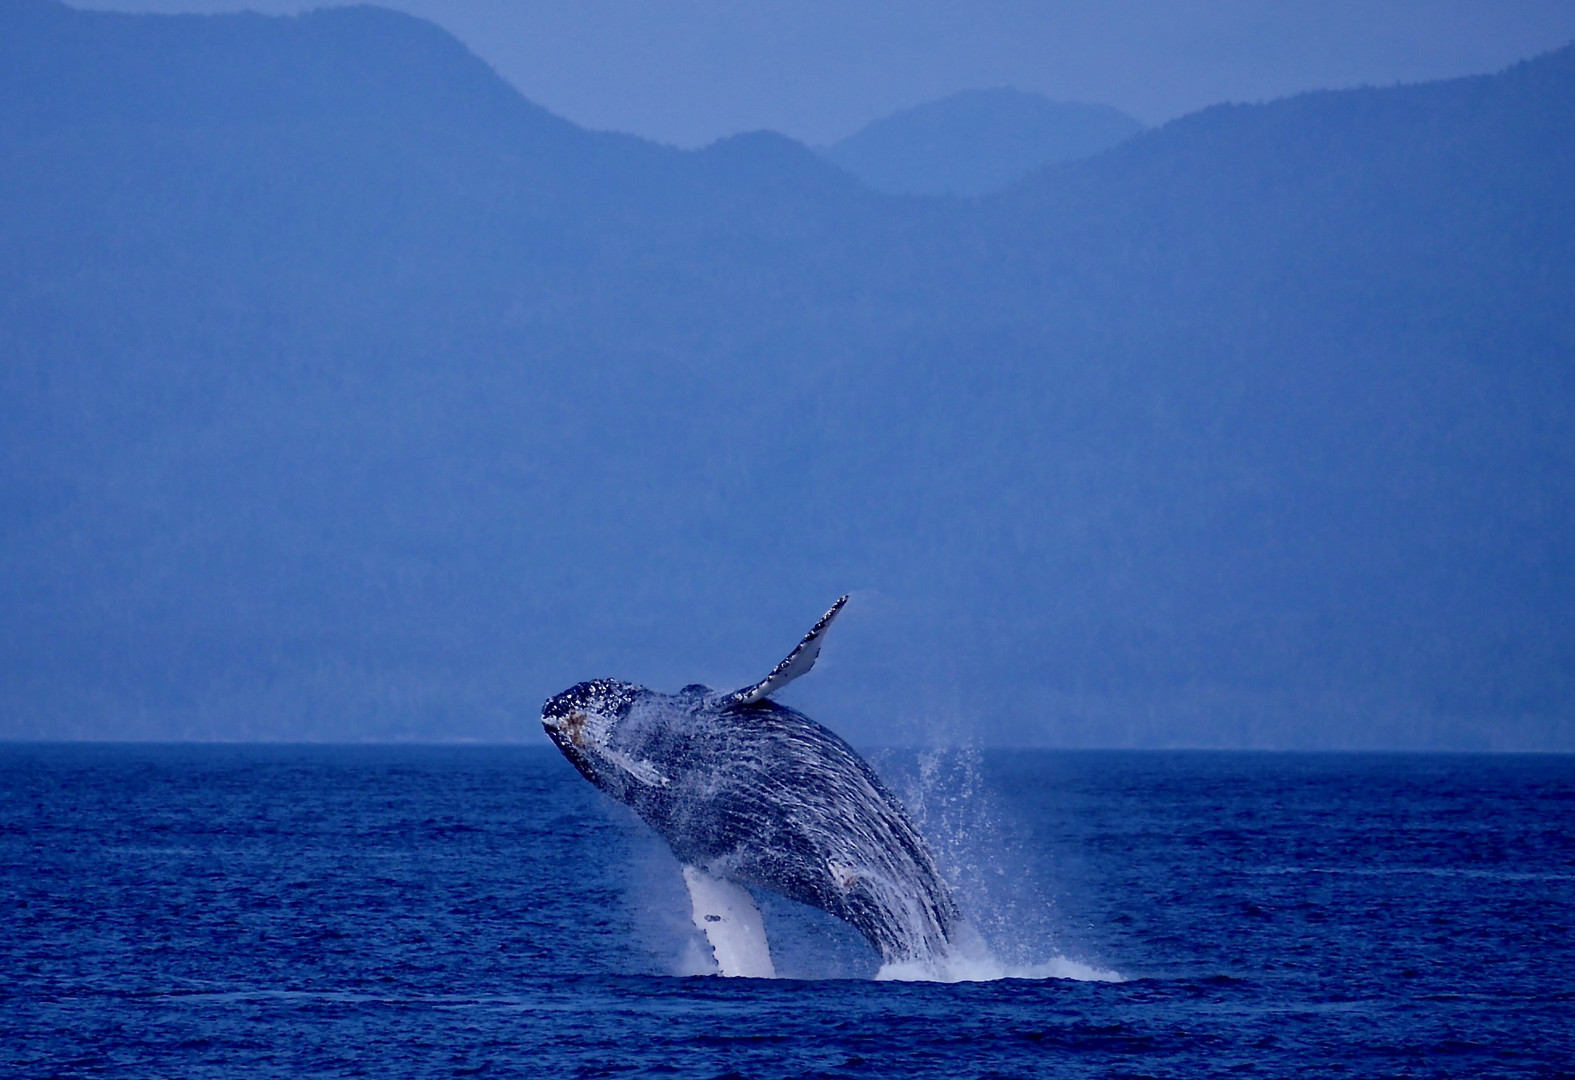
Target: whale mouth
(572, 744)
(566, 729)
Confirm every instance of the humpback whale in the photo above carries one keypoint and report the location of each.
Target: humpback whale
(748, 792)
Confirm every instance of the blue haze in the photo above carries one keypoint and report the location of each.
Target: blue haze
(976, 142)
(349, 395)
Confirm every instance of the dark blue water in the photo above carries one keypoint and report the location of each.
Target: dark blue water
(268, 911)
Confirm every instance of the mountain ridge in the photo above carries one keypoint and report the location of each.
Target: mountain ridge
(976, 142)
(389, 422)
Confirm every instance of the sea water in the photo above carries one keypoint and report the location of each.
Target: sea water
(421, 911)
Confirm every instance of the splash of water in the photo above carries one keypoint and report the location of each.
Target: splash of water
(956, 969)
(945, 794)
(971, 960)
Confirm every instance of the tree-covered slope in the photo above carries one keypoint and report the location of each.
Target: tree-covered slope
(346, 394)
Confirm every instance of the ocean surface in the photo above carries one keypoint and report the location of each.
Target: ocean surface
(268, 911)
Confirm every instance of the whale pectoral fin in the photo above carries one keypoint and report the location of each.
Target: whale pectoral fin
(796, 663)
(727, 915)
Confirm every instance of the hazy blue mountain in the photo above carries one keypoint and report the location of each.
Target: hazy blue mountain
(346, 394)
(977, 142)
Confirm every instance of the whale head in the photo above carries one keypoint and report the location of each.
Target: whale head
(584, 716)
(586, 721)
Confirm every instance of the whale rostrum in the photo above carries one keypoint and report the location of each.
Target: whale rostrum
(748, 792)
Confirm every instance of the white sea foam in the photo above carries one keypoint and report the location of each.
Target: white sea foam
(970, 960)
(953, 969)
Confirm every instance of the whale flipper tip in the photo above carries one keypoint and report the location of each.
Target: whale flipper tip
(796, 663)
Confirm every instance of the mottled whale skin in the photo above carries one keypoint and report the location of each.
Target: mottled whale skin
(752, 792)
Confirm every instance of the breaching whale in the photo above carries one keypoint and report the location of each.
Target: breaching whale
(748, 792)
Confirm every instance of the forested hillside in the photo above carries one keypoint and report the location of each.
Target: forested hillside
(346, 394)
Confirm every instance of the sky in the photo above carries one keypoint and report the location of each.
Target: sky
(687, 72)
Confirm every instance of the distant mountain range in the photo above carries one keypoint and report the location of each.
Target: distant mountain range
(977, 142)
(346, 394)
